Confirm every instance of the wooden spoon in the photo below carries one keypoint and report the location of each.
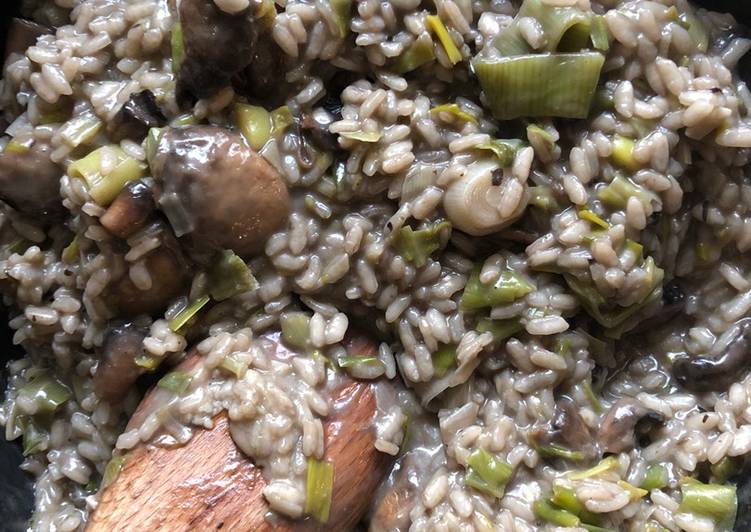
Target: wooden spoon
(209, 484)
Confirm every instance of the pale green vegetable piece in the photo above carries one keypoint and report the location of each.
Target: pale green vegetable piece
(416, 246)
(343, 12)
(509, 287)
(177, 46)
(185, 315)
(104, 188)
(230, 276)
(620, 189)
(443, 359)
(452, 52)
(319, 486)
(295, 329)
(504, 149)
(362, 136)
(455, 111)
(623, 154)
(558, 516)
(716, 501)
(417, 55)
(47, 393)
(551, 85)
(176, 382)
(599, 34)
(254, 123)
(487, 474)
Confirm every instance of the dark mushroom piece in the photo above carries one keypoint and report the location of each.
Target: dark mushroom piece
(260, 79)
(117, 369)
(217, 46)
(169, 276)
(30, 181)
(618, 430)
(130, 211)
(566, 430)
(213, 187)
(22, 34)
(139, 114)
(704, 374)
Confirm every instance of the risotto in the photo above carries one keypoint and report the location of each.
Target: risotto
(450, 265)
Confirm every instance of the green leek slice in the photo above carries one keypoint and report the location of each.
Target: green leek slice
(112, 470)
(70, 252)
(500, 329)
(504, 149)
(47, 393)
(177, 46)
(443, 359)
(552, 85)
(599, 34)
(417, 55)
(104, 189)
(176, 382)
(254, 123)
(605, 465)
(620, 189)
(716, 501)
(416, 246)
(232, 364)
(454, 110)
(295, 329)
(186, 314)
(452, 52)
(558, 516)
(318, 489)
(343, 13)
(487, 474)
(509, 287)
(230, 276)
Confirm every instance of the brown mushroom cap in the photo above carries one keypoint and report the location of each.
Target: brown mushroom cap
(30, 181)
(214, 187)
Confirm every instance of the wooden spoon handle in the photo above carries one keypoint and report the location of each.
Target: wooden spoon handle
(208, 484)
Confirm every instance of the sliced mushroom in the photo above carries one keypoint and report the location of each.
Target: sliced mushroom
(214, 187)
(130, 211)
(478, 207)
(117, 369)
(703, 373)
(140, 113)
(567, 429)
(217, 46)
(30, 181)
(260, 79)
(618, 430)
(169, 275)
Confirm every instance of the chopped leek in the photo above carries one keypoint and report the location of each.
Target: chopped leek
(147, 362)
(566, 499)
(504, 149)
(151, 142)
(603, 100)
(82, 387)
(34, 437)
(623, 154)
(70, 252)
(554, 450)
(47, 393)
(620, 189)
(591, 397)
(634, 493)
(605, 465)
(354, 361)
(112, 470)
(591, 217)
(104, 188)
(500, 329)
(656, 477)
(443, 359)
(554, 85)
(281, 119)
(723, 469)
(542, 197)
(452, 52)
(566, 29)
(509, 287)
(551, 514)
(177, 46)
(14, 146)
(185, 119)
(455, 111)
(696, 30)
(487, 474)
(232, 364)
(254, 123)
(417, 55)
(343, 12)
(599, 34)
(362, 136)
(716, 501)
(318, 489)
(185, 315)
(612, 316)
(80, 130)
(538, 133)
(417, 246)
(230, 276)
(295, 329)
(176, 382)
